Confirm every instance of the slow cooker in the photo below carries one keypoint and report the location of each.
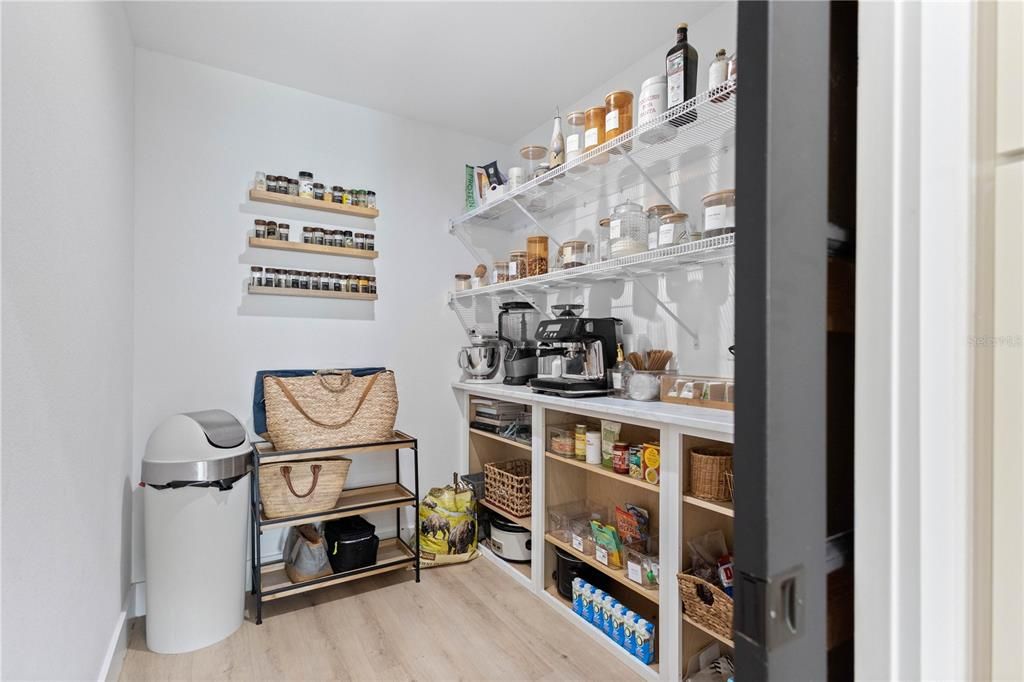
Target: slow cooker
(509, 541)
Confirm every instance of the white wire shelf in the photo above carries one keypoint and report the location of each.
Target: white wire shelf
(656, 148)
(627, 267)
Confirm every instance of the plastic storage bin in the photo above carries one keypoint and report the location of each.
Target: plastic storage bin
(641, 568)
(562, 442)
(351, 543)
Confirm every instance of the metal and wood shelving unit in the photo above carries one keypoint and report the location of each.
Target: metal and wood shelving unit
(269, 581)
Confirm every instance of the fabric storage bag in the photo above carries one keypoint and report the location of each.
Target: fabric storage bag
(330, 408)
(302, 487)
(305, 554)
(351, 543)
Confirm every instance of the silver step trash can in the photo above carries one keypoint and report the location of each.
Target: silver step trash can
(197, 477)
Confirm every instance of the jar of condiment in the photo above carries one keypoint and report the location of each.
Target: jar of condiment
(364, 284)
(306, 184)
(350, 242)
(271, 229)
(318, 236)
(318, 191)
(360, 240)
(373, 285)
(256, 277)
(293, 187)
(500, 271)
(654, 214)
(619, 116)
(594, 120)
(517, 265)
(620, 458)
(574, 142)
(575, 253)
(536, 255)
(371, 199)
(261, 229)
(462, 282)
(369, 239)
(261, 182)
(580, 442)
(336, 194)
(603, 238)
(307, 235)
(283, 231)
(676, 229)
(627, 231)
(719, 213)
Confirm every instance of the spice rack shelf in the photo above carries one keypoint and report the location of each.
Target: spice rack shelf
(501, 439)
(616, 574)
(281, 245)
(311, 293)
(627, 267)
(521, 521)
(314, 204)
(598, 470)
(619, 163)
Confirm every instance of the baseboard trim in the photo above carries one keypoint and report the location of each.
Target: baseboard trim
(116, 651)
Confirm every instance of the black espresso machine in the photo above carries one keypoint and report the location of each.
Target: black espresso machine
(575, 354)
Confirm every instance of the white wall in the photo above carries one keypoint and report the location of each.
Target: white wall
(702, 296)
(67, 320)
(201, 133)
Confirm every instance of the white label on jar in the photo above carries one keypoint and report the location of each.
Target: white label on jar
(601, 554)
(615, 229)
(633, 570)
(590, 137)
(572, 143)
(577, 542)
(611, 121)
(567, 252)
(616, 379)
(719, 217)
(666, 234)
(652, 240)
(513, 269)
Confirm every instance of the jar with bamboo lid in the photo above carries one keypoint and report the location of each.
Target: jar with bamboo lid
(603, 228)
(675, 228)
(619, 115)
(500, 271)
(517, 265)
(719, 213)
(654, 214)
(593, 136)
(576, 128)
(537, 255)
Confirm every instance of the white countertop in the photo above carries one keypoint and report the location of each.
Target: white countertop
(687, 416)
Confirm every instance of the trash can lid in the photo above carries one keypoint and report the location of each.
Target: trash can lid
(196, 447)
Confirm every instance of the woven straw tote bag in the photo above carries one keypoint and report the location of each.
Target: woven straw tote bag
(302, 487)
(330, 408)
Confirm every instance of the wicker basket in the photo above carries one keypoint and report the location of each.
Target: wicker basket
(708, 467)
(302, 487)
(706, 605)
(728, 484)
(507, 486)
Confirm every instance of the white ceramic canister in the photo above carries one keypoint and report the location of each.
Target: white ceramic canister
(652, 103)
(593, 447)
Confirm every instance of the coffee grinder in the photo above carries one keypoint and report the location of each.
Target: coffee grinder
(516, 324)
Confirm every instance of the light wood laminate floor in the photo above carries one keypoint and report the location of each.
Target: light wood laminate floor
(465, 622)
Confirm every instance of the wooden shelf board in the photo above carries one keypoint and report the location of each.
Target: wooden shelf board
(616, 574)
(313, 204)
(391, 556)
(689, 621)
(311, 293)
(723, 508)
(282, 245)
(352, 502)
(524, 521)
(268, 455)
(502, 439)
(601, 471)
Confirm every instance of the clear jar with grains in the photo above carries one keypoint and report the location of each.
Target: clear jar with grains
(306, 184)
(676, 229)
(517, 265)
(627, 231)
(719, 213)
(283, 231)
(532, 155)
(500, 271)
(575, 253)
(619, 115)
(654, 214)
(536, 255)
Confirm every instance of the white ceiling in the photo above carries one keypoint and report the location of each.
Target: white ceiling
(495, 70)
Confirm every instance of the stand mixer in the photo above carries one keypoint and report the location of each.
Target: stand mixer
(481, 362)
(516, 323)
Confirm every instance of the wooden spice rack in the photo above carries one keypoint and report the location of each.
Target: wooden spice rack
(311, 293)
(282, 245)
(313, 204)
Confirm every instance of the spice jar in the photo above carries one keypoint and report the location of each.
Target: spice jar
(318, 236)
(335, 282)
(373, 285)
(256, 277)
(574, 142)
(283, 231)
(620, 458)
(261, 182)
(360, 240)
(619, 116)
(325, 281)
(271, 229)
(306, 184)
(261, 229)
(517, 265)
(369, 241)
(719, 213)
(293, 187)
(575, 253)
(342, 283)
(462, 282)
(353, 284)
(318, 191)
(328, 237)
(371, 199)
(627, 231)
(303, 279)
(718, 73)
(346, 196)
(500, 271)
(270, 278)
(675, 229)
(314, 281)
(361, 198)
(272, 183)
(307, 235)
(336, 194)
(350, 242)
(537, 255)
(603, 238)
(364, 284)
(654, 214)
(293, 277)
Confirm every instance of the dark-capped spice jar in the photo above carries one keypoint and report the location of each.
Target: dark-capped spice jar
(256, 278)
(261, 229)
(283, 231)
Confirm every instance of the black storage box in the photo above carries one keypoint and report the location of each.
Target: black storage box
(351, 543)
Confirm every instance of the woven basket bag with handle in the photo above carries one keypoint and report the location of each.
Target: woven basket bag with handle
(330, 408)
(302, 487)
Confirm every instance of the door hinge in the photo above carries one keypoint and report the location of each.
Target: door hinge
(770, 612)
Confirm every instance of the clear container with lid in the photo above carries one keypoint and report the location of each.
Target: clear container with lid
(575, 253)
(463, 282)
(256, 278)
(627, 231)
(261, 229)
(371, 199)
(500, 271)
(719, 213)
(603, 226)
(517, 265)
(318, 191)
(536, 255)
(618, 118)
(360, 240)
(676, 228)
(336, 194)
(307, 235)
(293, 187)
(575, 130)
(318, 236)
(593, 136)
(654, 214)
(283, 232)
(306, 184)
(532, 154)
(271, 229)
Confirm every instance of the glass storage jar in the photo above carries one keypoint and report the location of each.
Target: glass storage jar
(517, 265)
(353, 284)
(373, 285)
(593, 136)
(293, 187)
(303, 279)
(719, 213)
(532, 154)
(364, 284)
(307, 235)
(336, 194)
(654, 214)
(271, 229)
(463, 283)
(350, 242)
(261, 182)
(318, 191)
(261, 229)
(627, 231)
(283, 232)
(618, 118)
(314, 281)
(256, 278)
(675, 228)
(368, 241)
(318, 236)
(360, 240)
(325, 281)
(306, 184)
(500, 272)
(371, 199)
(536, 255)
(576, 128)
(602, 238)
(575, 253)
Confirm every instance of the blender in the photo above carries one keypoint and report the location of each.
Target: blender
(517, 323)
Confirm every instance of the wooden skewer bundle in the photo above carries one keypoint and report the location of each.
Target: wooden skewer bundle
(656, 360)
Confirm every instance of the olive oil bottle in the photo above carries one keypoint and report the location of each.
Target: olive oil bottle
(681, 71)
